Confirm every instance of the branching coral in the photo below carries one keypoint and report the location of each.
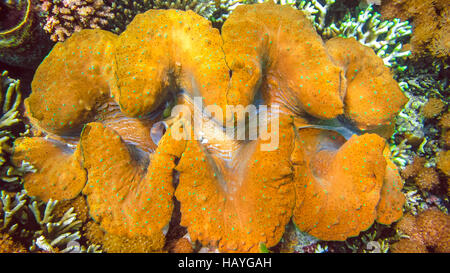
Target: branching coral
(425, 85)
(59, 235)
(53, 235)
(10, 100)
(400, 154)
(382, 36)
(96, 96)
(11, 209)
(33, 223)
(64, 17)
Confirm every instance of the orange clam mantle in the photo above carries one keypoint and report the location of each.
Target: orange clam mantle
(97, 95)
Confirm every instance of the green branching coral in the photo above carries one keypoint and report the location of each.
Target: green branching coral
(57, 236)
(10, 100)
(11, 212)
(33, 223)
(52, 234)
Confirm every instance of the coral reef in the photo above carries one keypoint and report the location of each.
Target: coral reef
(419, 138)
(430, 20)
(429, 231)
(424, 187)
(375, 240)
(93, 125)
(367, 28)
(417, 125)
